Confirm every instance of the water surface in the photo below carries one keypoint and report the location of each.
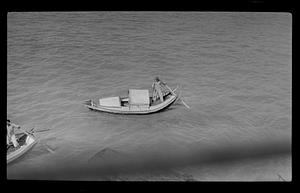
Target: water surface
(234, 71)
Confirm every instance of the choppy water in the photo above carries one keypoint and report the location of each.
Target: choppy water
(234, 70)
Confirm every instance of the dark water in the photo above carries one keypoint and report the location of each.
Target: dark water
(234, 69)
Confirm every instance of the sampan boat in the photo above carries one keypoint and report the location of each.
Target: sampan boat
(26, 141)
(138, 101)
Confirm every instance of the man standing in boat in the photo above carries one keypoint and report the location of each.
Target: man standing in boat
(159, 90)
(10, 136)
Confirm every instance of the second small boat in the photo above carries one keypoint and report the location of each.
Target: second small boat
(26, 141)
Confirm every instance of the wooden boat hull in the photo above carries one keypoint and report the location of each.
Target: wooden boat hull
(29, 142)
(135, 111)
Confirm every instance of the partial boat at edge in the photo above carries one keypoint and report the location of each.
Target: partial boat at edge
(26, 142)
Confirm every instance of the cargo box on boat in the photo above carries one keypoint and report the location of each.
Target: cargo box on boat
(110, 102)
(139, 97)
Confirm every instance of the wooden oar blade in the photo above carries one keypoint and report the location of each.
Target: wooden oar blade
(187, 106)
(49, 149)
(179, 97)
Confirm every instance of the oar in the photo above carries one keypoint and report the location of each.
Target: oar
(45, 145)
(185, 103)
(170, 89)
(32, 130)
(41, 130)
(178, 97)
(35, 131)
